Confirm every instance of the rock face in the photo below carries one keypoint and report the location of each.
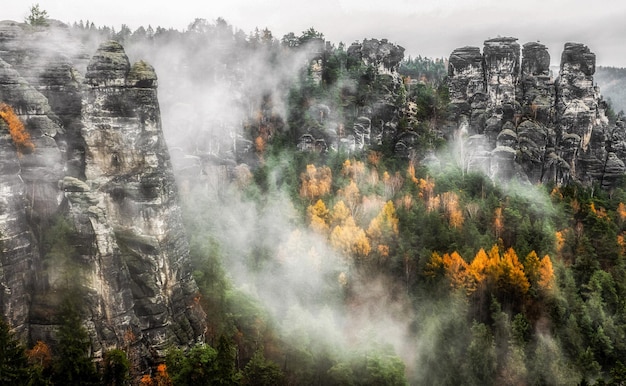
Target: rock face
(382, 54)
(368, 113)
(468, 89)
(99, 179)
(531, 125)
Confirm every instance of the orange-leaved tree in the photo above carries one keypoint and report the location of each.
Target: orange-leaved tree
(161, 377)
(621, 213)
(40, 355)
(511, 273)
(454, 268)
(546, 273)
(18, 132)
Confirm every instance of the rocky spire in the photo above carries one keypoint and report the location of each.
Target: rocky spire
(101, 165)
(537, 128)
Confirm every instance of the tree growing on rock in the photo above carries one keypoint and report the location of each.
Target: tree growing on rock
(18, 132)
(38, 17)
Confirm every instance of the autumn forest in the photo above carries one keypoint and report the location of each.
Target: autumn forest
(322, 265)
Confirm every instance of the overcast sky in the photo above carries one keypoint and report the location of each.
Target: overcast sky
(429, 28)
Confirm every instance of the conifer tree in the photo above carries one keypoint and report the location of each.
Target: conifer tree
(73, 364)
(13, 362)
(37, 16)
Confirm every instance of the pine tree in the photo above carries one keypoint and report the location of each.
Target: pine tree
(73, 365)
(13, 362)
(116, 368)
(37, 16)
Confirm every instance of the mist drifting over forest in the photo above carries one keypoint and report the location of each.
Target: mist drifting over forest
(350, 214)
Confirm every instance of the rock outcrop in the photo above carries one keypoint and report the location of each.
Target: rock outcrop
(368, 112)
(99, 179)
(533, 126)
(381, 54)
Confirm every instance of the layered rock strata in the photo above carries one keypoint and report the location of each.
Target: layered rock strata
(533, 126)
(99, 179)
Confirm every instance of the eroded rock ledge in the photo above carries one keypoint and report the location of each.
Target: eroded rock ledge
(521, 121)
(100, 172)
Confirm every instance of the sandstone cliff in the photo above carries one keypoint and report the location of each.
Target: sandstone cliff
(99, 180)
(527, 123)
(366, 110)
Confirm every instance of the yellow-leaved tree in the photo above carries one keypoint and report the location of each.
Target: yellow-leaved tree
(511, 272)
(531, 268)
(546, 273)
(351, 196)
(315, 182)
(454, 268)
(452, 208)
(354, 169)
(479, 269)
(350, 239)
(540, 273)
(346, 236)
(319, 217)
(383, 229)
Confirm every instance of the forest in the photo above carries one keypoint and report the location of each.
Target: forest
(353, 267)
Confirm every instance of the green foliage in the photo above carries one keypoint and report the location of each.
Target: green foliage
(73, 364)
(427, 70)
(262, 372)
(482, 361)
(379, 366)
(116, 367)
(198, 366)
(37, 17)
(571, 331)
(14, 367)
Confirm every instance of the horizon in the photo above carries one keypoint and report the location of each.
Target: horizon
(420, 27)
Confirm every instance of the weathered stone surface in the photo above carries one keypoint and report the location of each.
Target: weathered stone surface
(579, 114)
(468, 89)
(29, 194)
(373, 95)
(127, 163)
(109, 66)
(142, 74)
(557, 130)
(502, 64)
(101, 163)
(381, 54)
(536, 92)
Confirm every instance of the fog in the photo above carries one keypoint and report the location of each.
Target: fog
(428, 28)
(211, 90)
(218, 86)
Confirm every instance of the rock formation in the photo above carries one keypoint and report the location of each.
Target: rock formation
(369, 100)
(530, 125)
(99, 179)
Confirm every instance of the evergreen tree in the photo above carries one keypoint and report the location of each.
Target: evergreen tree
(116, 368)
(13, 362)
(262, 372)
(37, 17)
(73, 365)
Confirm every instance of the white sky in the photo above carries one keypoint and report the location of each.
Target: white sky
(430, 28)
